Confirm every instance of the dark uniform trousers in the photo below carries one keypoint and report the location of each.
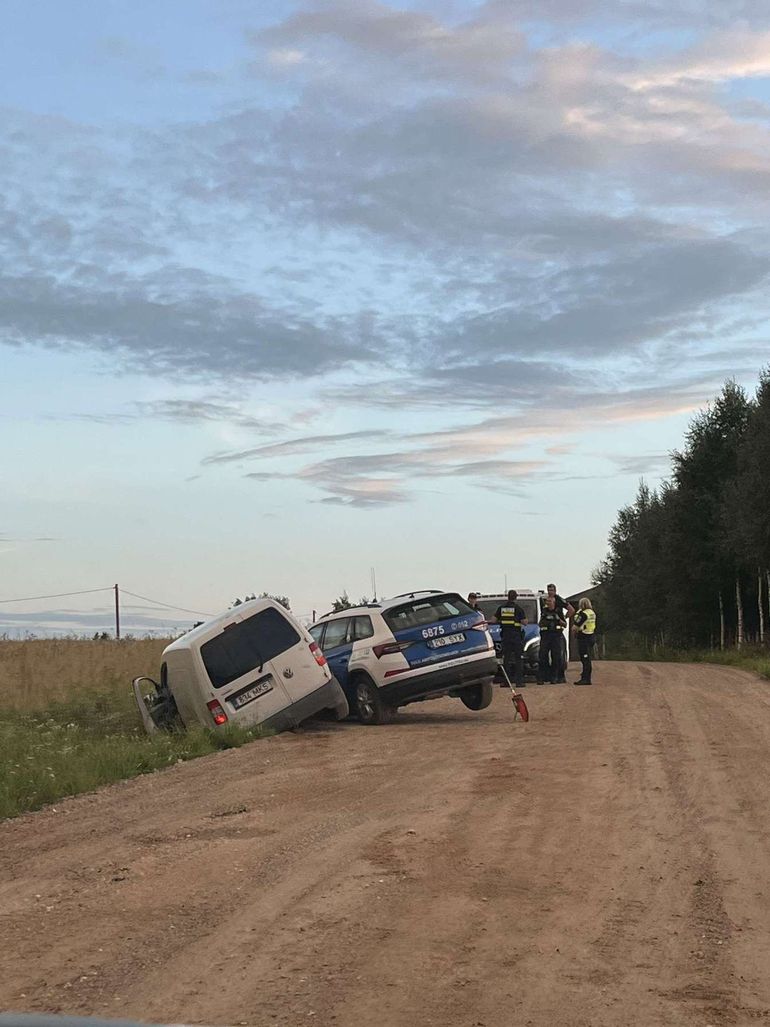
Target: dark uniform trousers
(512, 640)
(551, 668)
(586, 651)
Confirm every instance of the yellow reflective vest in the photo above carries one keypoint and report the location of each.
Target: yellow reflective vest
(587, 626)
(510, 616)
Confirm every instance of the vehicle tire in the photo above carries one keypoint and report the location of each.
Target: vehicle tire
(477, 697)
(369, 707)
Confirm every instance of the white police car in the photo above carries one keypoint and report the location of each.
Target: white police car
(416, 646)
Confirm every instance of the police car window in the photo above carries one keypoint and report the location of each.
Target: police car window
(362, 628)
(420, 612)
(489, 606)
(247, 645)
(336, 632)
(529, 606)
(316, 631)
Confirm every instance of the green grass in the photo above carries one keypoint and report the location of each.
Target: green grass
(92, 740)
(751, 658)
(755, 660)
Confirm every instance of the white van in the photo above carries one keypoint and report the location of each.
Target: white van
(253, 665)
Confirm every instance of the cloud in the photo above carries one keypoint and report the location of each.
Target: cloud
(200, 330)
(652, 14)
(197, 411)
(290, 447)
(384, 32)
(543, 215)
(726, 55)
(482, 454)
(78, 622)
(643, 463)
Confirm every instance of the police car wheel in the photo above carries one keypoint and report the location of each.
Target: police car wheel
(370, 708)
(477, 697)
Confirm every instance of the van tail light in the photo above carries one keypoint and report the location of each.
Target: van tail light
(318, 656)
(386, 648)
(217, 712)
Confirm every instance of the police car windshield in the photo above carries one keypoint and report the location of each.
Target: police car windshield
(529, 606)
(425, 610)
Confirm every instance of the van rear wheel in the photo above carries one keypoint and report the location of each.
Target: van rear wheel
(477, 697)
(370, 708)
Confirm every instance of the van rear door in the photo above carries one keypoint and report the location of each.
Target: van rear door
(293, 661)
(239, 667)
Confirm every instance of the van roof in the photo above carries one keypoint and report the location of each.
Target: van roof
(212, 626)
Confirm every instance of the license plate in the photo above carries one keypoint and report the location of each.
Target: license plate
(439, 643)
(251, 693)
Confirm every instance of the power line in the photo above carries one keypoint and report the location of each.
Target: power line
(90, 591)
(168, 606)
(58, 595)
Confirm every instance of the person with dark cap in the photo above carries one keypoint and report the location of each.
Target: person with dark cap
(552, 625)
(512, 618)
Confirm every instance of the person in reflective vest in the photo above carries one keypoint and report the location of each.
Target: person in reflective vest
(552, 625)
(585, 627)
(512, 618)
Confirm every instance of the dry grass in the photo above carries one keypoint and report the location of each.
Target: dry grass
(38, 672)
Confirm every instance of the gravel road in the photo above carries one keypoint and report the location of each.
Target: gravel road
(605, 864)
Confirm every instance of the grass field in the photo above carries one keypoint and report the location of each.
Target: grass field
(631, 646)
(68, 721)
(750, 658)
(38, 672)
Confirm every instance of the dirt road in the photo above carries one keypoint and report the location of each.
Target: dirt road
(605, 864)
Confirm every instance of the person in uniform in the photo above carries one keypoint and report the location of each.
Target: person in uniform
(512, 618)
(473, 601)
(584, 622)
(566, 609)
(552, 625)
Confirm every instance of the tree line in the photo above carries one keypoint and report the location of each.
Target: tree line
(688, 563)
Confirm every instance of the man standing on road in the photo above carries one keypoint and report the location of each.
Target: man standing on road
(566, 610)
(473, 601)
(552, 625)
(512, 618)
(585, 626)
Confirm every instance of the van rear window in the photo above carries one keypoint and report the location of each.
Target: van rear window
(428, 610)
(246, 645)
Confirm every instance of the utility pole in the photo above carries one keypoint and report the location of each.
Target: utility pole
(117, 612)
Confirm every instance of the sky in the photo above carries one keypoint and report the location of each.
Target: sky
(294, 290)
